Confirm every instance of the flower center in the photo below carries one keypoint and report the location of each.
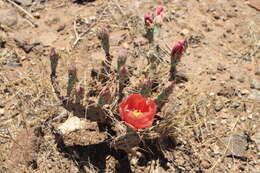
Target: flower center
(137, 113)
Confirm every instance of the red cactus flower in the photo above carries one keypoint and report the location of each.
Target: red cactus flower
(148, 19)
(159, 11)
(137, 111)
(178, 49)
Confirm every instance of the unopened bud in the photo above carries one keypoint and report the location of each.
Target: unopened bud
(148, 19)
(123, 71)
(122, 57)
(159, 11)
(54, 58)
(103, 35)
(178, 50)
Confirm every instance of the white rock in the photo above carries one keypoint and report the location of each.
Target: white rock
(70, 125)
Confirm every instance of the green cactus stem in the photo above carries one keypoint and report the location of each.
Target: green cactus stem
(54, 58)
(146, 87)
(72, 78)
(121, 60)
(103, 35)
(104, 96)
(80, 94)
(163, 96)
(123, 75)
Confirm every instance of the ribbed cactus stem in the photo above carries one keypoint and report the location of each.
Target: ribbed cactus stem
(149, 27)
(54, 58)
(103, 35)
(80, 94)
(121, 60)
(123, 77)
(176, 54)
(104, 96)
(162, 98)
(146, 87)
(72, 78)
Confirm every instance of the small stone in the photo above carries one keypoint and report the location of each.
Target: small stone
(235, 105)
(241, 79)
(221, 67)
(71, 124)
(8, 17)
(37, 15)
(24, 2)
(211, 94)
(185, 32)
(218, 106)
(244, 92)
(255, 84)
(212, 78)
(2, 111)
(13, 64)
(237, 145)
(254, 95)
(205, 164)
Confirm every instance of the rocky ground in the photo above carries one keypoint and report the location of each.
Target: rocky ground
(216, 113)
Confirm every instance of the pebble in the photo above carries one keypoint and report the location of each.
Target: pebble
(205, 164)
(237, 145)
(235, 105)
(244, 92)
(255, 84)
(185, 32)
(8, 17)
(254, 95)
(24, 2)
(218, 106)
(212, 78)
(2, 111)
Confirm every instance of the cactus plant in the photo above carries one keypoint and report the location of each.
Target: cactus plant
(133, 110)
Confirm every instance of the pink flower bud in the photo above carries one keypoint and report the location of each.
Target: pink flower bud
(80, 90)
(169, 86)
(122, 57)
(147, 83)
(159, 11)
(103, 35)
(72, 69)
(53, 55)
(148, 20)
(178, 49)
(123, 71)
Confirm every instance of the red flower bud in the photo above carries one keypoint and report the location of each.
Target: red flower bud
(159, 11)
(178, 49)
(137, 111)
(148, 19)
